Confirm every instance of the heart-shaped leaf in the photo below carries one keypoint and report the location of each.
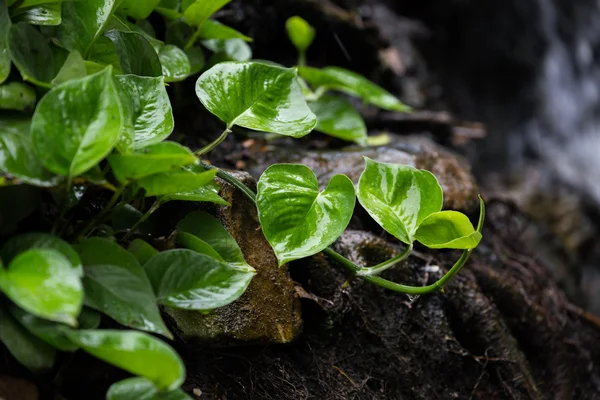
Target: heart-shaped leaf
(175, 63)
(43, 282)
(257, 96)
(339, 118)
(208, 193)
(142, 389)
(200, 10)
(31, 54)
(296, 218)
(77, 124)
(83, 22)
(136, 352)
(399, 197)
(116, 284)
(136, 54)
(17, 96)
(5, 25)
(190, 280)
(300, 32)
(448, 230)
(42, 14)
(141, 250)
(212, 29)
(336, 78)
(154, 159)
(73, 68)
(146, 110)
(171, 183)
(138, 9)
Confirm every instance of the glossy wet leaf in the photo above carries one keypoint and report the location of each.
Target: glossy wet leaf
(208, 229)
(346, 81)
(212, 29)
(228, 50)
(138, 9)
(35, 240)
(200, 10)
(300, 32)
(77, 124)
(186, 279)
(399, 197)
(141, 250)
(135, 352)
(171, 183)
(5, 25)
(73, 68)
(101, 54)
(256, 96)
(30, 52)
(175, 63)
(208, 193)
(297, 219)
(142, 389)
(116, 285)
(136, 54)
(17, 96)
(337, 117)
(83, 22)
(30, 351)
(43, 282)
(448, 230)
(160, 157)
(42, 14)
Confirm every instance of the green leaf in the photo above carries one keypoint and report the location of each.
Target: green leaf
(73, 68)
(83, 22)
(77, 124)
(142, 389)
(4, 54)
(170, 183)
(208, 229)
(189, 241)
(142, 251)
(135, 52)
(228, 50)
(101, 54)
(43, 14)
(31, 54)
(256, 96)
(157, 158)
(138, 9)
(26, 348)
(195, 57)
(175, 63)
(125, 217)
(147, 111)
(17, 96)
(336, 78)
(43, 282)
(448, 230)
(298, 220)
(116, 285)
(212, 29)
(199, 11)
(136, 352)
(337, 117)
(399, 197)
(186, 279)
(18, 244)
(300, 32)
(208, 193)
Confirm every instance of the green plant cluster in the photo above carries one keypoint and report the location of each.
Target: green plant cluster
(89, 115)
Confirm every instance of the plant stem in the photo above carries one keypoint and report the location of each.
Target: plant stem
(379, 268)
(143, 219)
(213, 144)
(301, 58)
(192, 40)
(100, 216)
(63, 205)
(350, 266)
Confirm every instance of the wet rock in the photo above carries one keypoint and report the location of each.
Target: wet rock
(452, 171)
(269, 311)
(17, 389)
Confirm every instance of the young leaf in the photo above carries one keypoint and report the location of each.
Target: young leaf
(300, 32)
(448, 230)
(212, 29)
(136, 54)
(189, 241)
(201, 10)
(208, 229)
(83, 22)
(142, 389)
(138, 9)
(18, 244)
(73, 68)
(256, 96)
(399, 197)
(136, 352)
(336, 78)
(190, 280)
(31, 54)
(36, 355)
(116, 285)
(175, 63)
(154, 159)
(208, 193)
(296, 218)
(43, 282)
(17, 96)
(42, 14)
(4, 54)
(337, 117)
(171, 183)
(77, 124)
(142, 251)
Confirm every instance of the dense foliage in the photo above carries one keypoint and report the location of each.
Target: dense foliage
(90, 114)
